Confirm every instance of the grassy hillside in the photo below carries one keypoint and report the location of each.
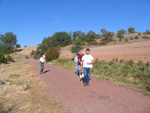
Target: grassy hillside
(23, 91)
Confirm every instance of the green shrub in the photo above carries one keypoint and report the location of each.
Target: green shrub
(27, 57)
(131, 38)
(18, 46)
(136, 37)
(147, 31)
(105, 42)
(148, 64)
(36, 54)
(3, 59)
(77, 46)
(146, 37)
(126, 40)
(121, 60)
(131, 63)
(33, 54)
(116, 59)
(139, 34)
(14, 76)
(52, 53)
(92, 42)
(10, 59)
(75, 49)
(27, 87)
(120, 39)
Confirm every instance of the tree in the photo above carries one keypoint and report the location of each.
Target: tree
(82, 36)
(121, 32)
(77, 46)
(3, 59)
(147, 31)
(7, 43)
(61, 39)
(90, 36)
(76, 34)
(8, 40)
(103, 31)
(70, 33)
(131, 30)
(107, 35)
(18, 46)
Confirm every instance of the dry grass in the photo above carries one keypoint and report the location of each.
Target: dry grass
(24, 93)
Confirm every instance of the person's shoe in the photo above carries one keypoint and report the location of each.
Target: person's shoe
(40, 72)
(84, 84)
(87, 84)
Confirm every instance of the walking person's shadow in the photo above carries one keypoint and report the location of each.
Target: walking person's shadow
(46, 71)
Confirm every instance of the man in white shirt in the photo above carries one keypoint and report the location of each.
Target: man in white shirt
(42, 60)
(76, 63)
(87, 61)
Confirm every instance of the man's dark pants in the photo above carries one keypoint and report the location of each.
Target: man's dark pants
(42, 67)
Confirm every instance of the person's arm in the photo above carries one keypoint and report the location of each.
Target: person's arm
(91, 62)
(81, 63)
(75, 61)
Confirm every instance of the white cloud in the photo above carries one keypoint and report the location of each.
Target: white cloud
(57, 22)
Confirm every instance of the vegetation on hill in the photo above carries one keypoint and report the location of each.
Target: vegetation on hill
(78, 38)
(131, 30)
(52, 53)
(18, 46)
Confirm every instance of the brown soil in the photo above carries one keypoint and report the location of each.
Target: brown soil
(135, 51)
(100, 97)
(26, 50)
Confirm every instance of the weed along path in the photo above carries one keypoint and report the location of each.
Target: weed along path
(100, 97)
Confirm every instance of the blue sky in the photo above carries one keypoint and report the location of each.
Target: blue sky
(32, 20)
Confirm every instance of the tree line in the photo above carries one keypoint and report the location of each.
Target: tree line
(77, 39)
(8, 43)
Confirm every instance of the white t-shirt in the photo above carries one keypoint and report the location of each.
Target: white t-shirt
(87, 59)
(76, 59)
(42, 60)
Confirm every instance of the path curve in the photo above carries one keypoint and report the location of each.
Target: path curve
(100, 97)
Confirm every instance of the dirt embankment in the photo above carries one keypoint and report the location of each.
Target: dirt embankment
(135, 51)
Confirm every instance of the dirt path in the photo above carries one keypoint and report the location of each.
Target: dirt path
(99, 97)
